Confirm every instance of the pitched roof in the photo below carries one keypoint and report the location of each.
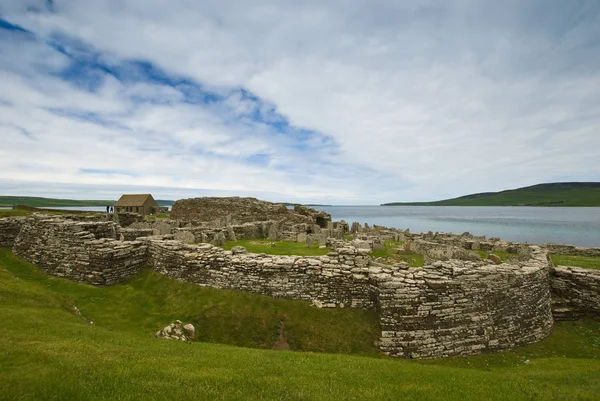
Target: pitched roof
(133, 200)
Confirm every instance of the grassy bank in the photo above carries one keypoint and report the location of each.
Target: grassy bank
(47, 352)
(586, 262)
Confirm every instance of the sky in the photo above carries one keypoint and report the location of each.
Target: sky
(335, 102)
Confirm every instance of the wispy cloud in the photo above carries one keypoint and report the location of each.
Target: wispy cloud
(349, 102)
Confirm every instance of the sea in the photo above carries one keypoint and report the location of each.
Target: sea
(535, 225)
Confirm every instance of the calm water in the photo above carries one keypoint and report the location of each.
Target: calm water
(574, 226)
(536, 225)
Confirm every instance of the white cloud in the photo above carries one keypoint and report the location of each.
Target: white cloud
(419, 100)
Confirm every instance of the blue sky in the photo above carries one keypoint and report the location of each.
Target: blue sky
(343, 102)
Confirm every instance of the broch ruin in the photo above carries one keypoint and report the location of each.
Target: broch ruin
(457, 304)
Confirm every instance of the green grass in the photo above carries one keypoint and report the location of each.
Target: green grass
(14, 213)
(47, 352)
(279, 247)
(586, 262)
(554, 194)
(393, 252)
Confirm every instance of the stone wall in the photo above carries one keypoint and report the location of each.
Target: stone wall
(461, 308)
(577, 292)
(80, 251)
(9, 229)
(446, 308)
(339, 279)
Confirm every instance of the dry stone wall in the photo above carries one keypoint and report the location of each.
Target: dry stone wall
(577, 292)
(339, 279)
(447, 308)
(461, 308)
(9, 229)
(80, 251)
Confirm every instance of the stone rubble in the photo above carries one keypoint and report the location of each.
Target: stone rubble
(177, 331)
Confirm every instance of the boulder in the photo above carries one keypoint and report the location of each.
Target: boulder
(177, 331)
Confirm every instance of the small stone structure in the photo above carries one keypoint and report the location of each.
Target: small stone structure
(143, 204)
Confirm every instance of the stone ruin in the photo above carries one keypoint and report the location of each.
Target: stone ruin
(235, 210)
(451, 306)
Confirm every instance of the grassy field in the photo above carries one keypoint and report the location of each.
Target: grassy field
(586, 262)
(14, 213)
(392, 251)
(554, 194)
(48, 352)
(279, 247)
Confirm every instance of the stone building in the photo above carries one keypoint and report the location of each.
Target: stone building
(143, 204)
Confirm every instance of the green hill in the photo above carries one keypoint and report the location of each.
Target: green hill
(52, 202)
(553, 194)
(49, 352)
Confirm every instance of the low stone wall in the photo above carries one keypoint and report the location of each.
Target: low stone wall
(577, 292)
(9, 229)
(339, 279)
(447, 308)
(70, 249)
(462, 308)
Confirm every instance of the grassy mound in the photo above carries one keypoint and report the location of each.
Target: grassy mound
(48, 352)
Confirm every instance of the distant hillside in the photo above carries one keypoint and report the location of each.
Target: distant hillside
(51, 202)
(163, 202)
(553, 194)
(48, 202)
